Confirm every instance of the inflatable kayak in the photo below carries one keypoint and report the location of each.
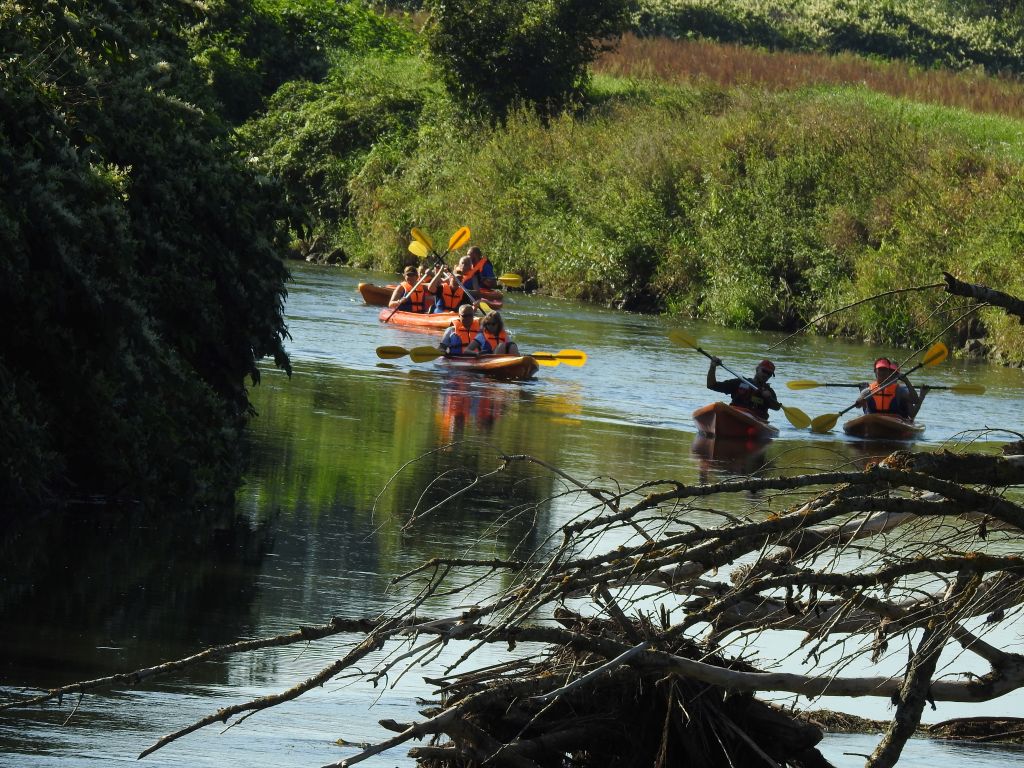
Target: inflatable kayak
(496, 366)
(436, 321)
(380, 295)
(726, 421)
(882, 426)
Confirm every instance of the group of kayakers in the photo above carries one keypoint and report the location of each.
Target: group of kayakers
(890, 393)
(427, 290)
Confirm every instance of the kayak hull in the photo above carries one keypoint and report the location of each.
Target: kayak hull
(380, 295)
(722, 420)
(436, 321)
(508, 367)
(882, 426)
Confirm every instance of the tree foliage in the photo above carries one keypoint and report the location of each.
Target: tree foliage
(139, 276)
(496, 54)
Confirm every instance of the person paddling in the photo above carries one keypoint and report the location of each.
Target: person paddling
(458, 336)
(479, 272)
(891, 392)
(493, 339)
(410, 295)
(448, 294)
(758, 399)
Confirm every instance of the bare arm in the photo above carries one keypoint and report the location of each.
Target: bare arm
(712, 379)
(397, 297)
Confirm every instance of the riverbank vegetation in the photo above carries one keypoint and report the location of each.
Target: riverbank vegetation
(160, 163)
(759, 200)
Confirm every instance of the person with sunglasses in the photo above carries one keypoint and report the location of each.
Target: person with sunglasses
(891, 392)
(757, 399)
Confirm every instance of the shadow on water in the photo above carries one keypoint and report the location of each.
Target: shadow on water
(97, 590)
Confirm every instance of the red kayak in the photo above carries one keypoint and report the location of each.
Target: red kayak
(496, 366)
(436, 321)
(883, 426)
(379, 296)
(727, 421)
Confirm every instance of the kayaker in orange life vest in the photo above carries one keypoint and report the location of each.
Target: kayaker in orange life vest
(493, 339)
(757, 399)
(461, 332)
(405, 298)
(447, 294)
(898, 397)
(479, 272)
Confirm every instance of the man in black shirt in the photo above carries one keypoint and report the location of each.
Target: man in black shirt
(755, 396)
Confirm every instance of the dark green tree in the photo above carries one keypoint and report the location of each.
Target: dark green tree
(139, 272)
(499, 53)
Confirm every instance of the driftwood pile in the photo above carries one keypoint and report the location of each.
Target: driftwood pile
(638, 637)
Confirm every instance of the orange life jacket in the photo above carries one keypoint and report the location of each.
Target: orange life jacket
(465, 334)
(415, 300)
(883, 398)
(474, 269)
(450, 297)
(488, 342)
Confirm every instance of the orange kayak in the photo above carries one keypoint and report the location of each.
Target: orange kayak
(883, 426)
(496, 366)
(436, 321)
(727, 421)
(380, 295)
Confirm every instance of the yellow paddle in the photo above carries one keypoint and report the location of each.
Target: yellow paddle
(418, 249)
(796, 417)
(577, 358)
(457, 240)
(957, 389)
(511, 280)
(935, 355)
(423, 239)
(416, 354)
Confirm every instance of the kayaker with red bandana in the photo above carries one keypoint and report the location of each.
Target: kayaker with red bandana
(758, 399)
(891, 392)
(493, 339)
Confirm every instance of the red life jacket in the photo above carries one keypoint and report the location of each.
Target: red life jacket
(883, 398)
(489, 342)
(450, 297)
(415, 300)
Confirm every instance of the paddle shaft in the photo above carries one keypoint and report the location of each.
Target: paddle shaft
(730, 370)
(930, 386)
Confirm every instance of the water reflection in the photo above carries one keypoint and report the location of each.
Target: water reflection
(725, 457)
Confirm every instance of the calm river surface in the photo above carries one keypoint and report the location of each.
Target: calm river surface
(319, 534)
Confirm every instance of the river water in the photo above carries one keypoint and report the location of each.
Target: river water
(340, 454)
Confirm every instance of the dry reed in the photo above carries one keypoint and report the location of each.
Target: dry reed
(732, 65)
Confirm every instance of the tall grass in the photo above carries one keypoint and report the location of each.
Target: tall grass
(740, 206)
(736, 65)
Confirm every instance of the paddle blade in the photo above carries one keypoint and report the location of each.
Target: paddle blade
(484, 306)
(968, 389)
(545, 359)
(803, 384)
(459, 239)
(422, 238)
(936, 354)
(577, 358)
(683, 339)
(574, 357)
(511, 280)
(424, 354)
(391, 353)
(824, 423)
(418, 249)
(796, 417)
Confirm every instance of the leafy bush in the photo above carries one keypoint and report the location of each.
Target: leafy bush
(140, 276)
(494, 55)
